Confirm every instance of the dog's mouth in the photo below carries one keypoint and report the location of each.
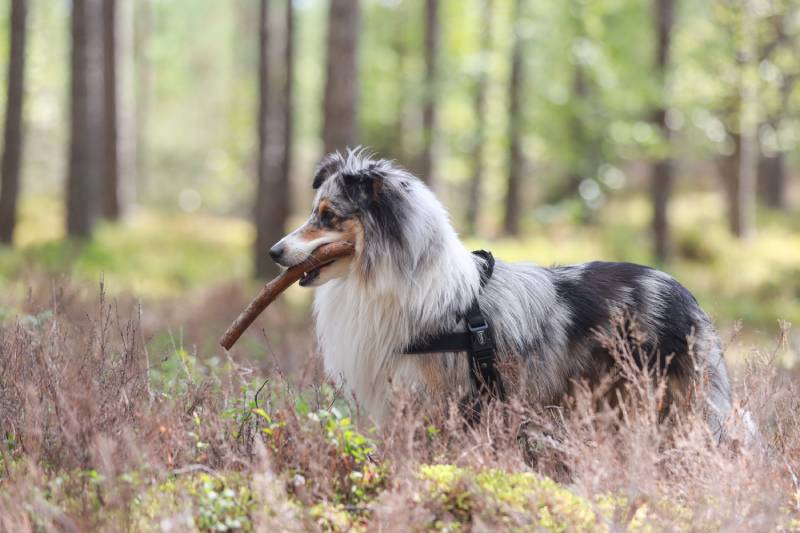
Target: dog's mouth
(311, 275)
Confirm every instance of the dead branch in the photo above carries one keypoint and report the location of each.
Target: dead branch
(274, 288)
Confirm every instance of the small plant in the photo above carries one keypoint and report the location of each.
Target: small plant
(201, 501)
(268, 426)
(360, 476)
(200, 446)
(221, 508)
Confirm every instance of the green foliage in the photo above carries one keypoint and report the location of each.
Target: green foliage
(589, 89)
(355, 451)
(213, 503)
(267, 425)
(221, 508)
(355, 473)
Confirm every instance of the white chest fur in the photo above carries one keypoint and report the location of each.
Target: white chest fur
(362, 329)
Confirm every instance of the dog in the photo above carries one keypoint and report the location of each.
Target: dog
(410, 278)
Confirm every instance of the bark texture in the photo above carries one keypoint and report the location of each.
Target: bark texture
(85, 148)
(432, 37)
(662, 169)
(515, 157)
(772, 181)
(13, 134)
(742, 193)
(274, 134)
(288, 107)
(111, 174)
(340, 126)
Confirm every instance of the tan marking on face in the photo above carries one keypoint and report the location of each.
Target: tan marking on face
(323, 206)
(353, 231)
(325, 209)
(311, 233)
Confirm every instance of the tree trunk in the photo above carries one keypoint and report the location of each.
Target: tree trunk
(111, 174)
(744, 225)
(772, 173)
(400, 48)
(662, 174)
(426, 169)
(274, 132)
(478, 162)
(85, 119)
(12, 147)
(729, 169)
(264, 235)
(515, 158)
(340, 128)
(288, 105)
(772, 180)
(732, 168)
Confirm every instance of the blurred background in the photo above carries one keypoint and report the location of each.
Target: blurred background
(162, 145)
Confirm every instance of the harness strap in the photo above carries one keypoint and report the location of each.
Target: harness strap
(477, 341)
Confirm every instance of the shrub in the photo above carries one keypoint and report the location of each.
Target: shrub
(99, 436)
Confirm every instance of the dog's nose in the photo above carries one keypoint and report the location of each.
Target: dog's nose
(276, 251)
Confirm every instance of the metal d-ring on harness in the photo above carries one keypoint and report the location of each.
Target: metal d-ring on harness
(477, 341)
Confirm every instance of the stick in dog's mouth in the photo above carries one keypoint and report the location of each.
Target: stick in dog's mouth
(305, 272)
(313, 274)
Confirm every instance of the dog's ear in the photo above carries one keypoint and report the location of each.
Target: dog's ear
(364, 188)
(330, 165)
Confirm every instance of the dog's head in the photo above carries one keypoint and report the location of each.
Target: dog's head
(359, 199)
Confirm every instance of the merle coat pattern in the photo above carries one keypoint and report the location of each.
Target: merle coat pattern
(411, 278)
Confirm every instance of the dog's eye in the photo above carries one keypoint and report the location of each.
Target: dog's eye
(326, 217)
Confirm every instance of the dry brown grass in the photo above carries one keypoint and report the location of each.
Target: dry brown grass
(100, 434)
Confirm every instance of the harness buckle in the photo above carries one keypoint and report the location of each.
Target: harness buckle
(481, 340)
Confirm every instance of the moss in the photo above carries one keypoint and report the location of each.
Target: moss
(526, 500)
(643, 515)
(335, 517)
(520, 499)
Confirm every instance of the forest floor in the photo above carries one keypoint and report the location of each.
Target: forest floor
(119, 411)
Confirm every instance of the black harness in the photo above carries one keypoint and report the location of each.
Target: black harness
(477, 341)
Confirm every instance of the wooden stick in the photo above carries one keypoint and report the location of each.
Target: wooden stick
(274, 288)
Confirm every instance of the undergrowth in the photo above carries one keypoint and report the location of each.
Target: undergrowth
(99, 432)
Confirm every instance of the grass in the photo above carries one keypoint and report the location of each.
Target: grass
(163, 257)
(151, 254)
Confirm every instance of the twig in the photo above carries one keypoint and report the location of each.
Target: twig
(190, 469)
(274, 288)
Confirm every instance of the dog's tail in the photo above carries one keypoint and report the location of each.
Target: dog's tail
(717, 394)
